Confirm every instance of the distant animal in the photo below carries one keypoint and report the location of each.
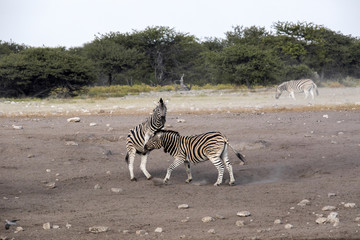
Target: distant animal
(185, 149)
(10, 223)
(140, 134)
(297, 86)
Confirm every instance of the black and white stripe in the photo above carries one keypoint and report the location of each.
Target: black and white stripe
(297, 86)
(139, 135)
(194, 149)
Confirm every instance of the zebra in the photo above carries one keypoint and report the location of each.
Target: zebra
(185, 149)
(140, 134)
(304, 85)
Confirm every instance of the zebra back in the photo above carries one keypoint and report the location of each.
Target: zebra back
(193, 148)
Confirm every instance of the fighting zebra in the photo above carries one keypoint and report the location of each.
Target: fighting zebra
(139, 135)
(185, 149)
(297, 86)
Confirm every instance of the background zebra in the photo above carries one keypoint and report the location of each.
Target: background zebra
(296, 86)
(140, 134)
(185, 149)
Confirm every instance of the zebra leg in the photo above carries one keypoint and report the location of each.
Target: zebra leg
(312, 93)
(188, 171)
(174, 165)
(220, 167)
(306, 93)
(131, 164)
(143, 165)
(292, 95)
(228, 165)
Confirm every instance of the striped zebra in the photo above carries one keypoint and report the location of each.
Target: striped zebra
(185, 149)
(297, 86)
(140, 134)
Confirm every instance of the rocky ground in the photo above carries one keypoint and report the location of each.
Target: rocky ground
(69, 180)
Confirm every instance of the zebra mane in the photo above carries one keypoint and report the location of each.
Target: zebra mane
(168, 131)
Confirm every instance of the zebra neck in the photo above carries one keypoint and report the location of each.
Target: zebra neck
(154, 123)
(284, 87)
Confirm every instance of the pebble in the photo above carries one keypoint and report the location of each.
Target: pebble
(71, 143)
(350, 205)
(17, 127)
(141, 232)
(185, 220)
(158, 230)
(331, 195)
(289, 226)
(277, 221)
(240, 223)
(51, 185)
(244, 214)
(48, 170)
(303, 203)
(56, 226)
(181, 120)
(212, 231)
(92, 124)
(74, 119)
(183, 206)
(116, 190)
(321, 220)
(46, 226)
(98, 229)
(333, 219)
(328, 208)
(18, 229)
(30, 156)
(207, 219)
(68, 225)
(325, 116)
(97, 186)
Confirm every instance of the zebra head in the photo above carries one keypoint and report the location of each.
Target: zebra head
(154, 142)
(163, 138)
(160, 114)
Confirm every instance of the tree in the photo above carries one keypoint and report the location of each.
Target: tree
(249, 65)
(169, 53)
(318, 47)
(113, 59)
(36, 72)
(10, 47)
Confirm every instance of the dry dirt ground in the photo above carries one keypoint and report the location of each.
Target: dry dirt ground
(295, 150)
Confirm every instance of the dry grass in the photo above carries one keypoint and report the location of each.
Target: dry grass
(193, 102)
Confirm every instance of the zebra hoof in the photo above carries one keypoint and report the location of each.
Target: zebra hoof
(217, 184)
(134, 179)
(232, 183)
(188, 180)
(149, 178)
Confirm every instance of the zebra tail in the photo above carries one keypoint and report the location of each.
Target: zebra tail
(239, 155)
(127, 158)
